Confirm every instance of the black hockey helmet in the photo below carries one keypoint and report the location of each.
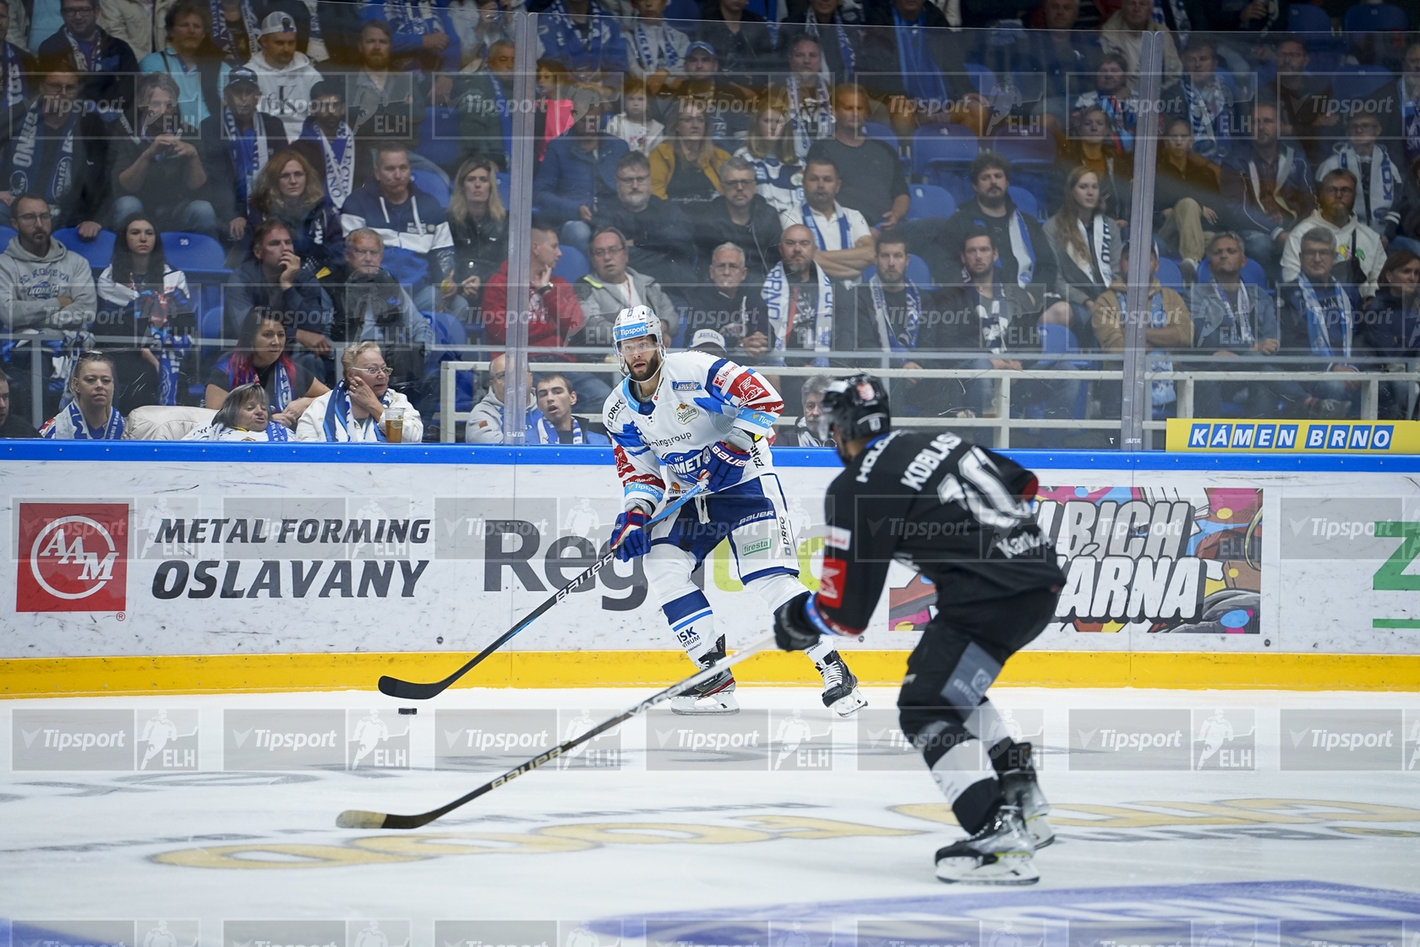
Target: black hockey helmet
(857, 406)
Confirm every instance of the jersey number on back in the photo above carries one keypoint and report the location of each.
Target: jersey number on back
(978, 488)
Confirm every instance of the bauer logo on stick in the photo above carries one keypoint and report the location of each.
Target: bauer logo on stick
(73, 557)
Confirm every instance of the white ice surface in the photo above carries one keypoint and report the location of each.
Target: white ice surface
(801, 855)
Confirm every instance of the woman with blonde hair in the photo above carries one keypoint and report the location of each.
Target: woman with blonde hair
(478, 223)
(769, 148)
(90, 414)
(685, 167)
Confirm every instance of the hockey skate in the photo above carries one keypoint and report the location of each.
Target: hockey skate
(715, 696)
(1020, 789)
(1000, 854)
(840, 686)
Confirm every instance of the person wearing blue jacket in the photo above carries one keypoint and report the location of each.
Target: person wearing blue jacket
(578, 173)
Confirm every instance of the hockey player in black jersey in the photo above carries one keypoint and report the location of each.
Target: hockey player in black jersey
(961, 515)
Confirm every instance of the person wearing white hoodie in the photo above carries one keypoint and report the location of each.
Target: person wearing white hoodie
(42, 284)
(284, 74)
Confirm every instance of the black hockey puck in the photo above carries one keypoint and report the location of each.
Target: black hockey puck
(409, 710)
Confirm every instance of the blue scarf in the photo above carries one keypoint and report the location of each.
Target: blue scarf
(171, 350)
(1411, 117)
(1322, 317)
(845, 46)
(776, 294)
(79, 429)
(544, 433)
(339, 154)
(283, 380)
(25, 151)
(891, 340)
(250, 151)
(223, 37)
(923, 75)
(843, 233)
(1208, 118)
(1162, 390)
(338, 418)
(12, 74)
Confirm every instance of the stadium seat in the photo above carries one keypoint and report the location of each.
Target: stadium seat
(6, 233)
(884, 134)
(505, 186)
(941, 154)
(193, 252)
(439, 139)
(929, 200)
(1349, 83)
(572, 266)
(435, 185)
(1374, 18)
(1171, 277)
(682, 10)
(98, 251)
(982, 78)
(1025, 201)
(1305, 18)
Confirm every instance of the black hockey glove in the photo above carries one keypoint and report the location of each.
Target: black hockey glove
(792, 629)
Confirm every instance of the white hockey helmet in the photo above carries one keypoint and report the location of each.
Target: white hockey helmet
(634, 322)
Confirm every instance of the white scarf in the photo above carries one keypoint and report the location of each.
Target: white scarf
(1241, 319)
(339, 172)
(648, 56)
(1097, 239)
(776, 302)
(809, 128)
(1380, 198)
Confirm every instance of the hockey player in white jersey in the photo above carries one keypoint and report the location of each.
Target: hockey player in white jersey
(677, 418)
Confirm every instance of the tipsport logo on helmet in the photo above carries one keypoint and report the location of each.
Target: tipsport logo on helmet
(73, 557)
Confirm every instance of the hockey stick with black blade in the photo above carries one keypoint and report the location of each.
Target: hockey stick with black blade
(365, 819)
(418, 690)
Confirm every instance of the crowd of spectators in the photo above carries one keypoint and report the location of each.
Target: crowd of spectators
(823, 183)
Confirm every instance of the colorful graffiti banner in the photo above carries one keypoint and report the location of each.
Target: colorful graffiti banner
(1137, 559)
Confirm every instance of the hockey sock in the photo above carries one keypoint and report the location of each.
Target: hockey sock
(692, 623)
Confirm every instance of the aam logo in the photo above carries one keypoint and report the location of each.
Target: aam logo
(73, 557)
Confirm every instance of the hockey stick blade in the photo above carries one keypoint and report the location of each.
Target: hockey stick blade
(365, 819)
(416, 690)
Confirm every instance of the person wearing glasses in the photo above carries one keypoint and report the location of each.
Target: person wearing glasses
(1360, 254)
(660, 241)
(741, 215)
(90, 414)
(355, 409)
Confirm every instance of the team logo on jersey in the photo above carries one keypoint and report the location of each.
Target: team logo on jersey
(73, 557)
(684, 413)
